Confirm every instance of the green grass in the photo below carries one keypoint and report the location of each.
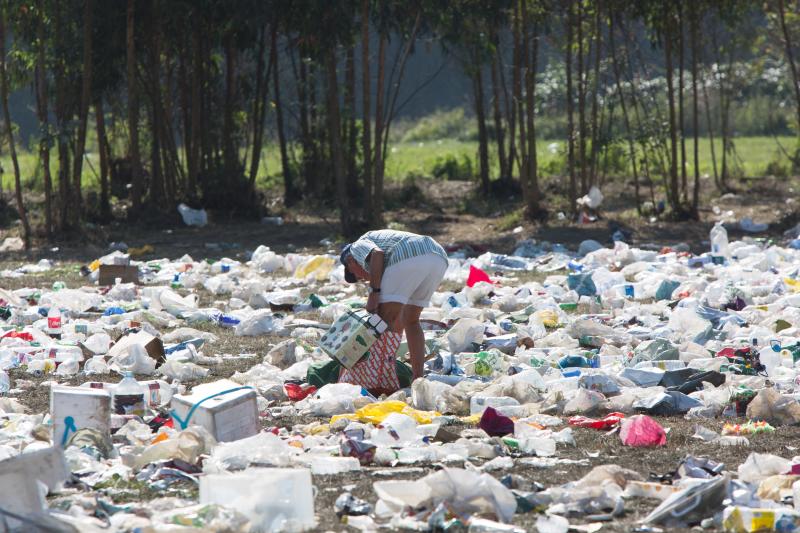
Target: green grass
(419, 158)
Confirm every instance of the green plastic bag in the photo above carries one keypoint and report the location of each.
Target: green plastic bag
(321, 374)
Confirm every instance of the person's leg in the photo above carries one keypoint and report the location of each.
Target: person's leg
(415, 338)
(391, 313)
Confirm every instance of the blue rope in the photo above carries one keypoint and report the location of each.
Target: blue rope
(184, 423)
(69, 422)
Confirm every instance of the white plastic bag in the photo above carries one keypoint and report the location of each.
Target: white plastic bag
(464, 333)
(261, 322)
(193, 217)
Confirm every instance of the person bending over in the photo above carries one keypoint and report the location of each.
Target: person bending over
(403, 270)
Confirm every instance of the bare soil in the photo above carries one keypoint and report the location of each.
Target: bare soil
(450, 212)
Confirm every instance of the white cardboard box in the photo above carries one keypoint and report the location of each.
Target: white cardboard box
(231, 416)
(87, 408)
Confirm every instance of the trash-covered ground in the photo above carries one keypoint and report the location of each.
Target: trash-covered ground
(611, 389)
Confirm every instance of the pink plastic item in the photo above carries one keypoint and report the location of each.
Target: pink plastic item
(476, 275)
(642, 431)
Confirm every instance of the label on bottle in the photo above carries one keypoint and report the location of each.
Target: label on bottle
(129, 404)
(155, 393)
(54, 322)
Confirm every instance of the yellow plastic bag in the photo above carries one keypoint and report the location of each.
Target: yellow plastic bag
(792, 284)
(548, 317)
(94, 265)
(319, 265)
(376, 412)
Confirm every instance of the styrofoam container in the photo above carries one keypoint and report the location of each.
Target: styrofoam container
(274, 499)
(228, 417)
(74, 408)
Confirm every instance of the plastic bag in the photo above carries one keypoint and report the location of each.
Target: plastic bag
(426, 395)
(376, 412)
(642, 431)
(193, 217)
(181, 371)
(318, 267)
(759, 466)
(283, 355)
(464, 333)
(770, 406)
(135, 360)
(584, 401)
(261, 322)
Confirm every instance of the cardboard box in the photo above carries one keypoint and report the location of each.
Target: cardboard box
(108, 274)
(152, 345)
(74, 408)
(228, 417)
(351, 336)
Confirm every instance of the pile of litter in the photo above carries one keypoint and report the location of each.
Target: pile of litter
(529, 353)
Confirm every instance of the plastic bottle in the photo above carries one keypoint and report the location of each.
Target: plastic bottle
(129, 396)
(719, 240)
(54, 322)
(771, 360)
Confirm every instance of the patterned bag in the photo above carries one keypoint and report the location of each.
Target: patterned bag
(378, 372)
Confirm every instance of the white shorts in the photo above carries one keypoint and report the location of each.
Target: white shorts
(413, 281)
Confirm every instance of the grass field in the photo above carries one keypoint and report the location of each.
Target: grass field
(754, 156)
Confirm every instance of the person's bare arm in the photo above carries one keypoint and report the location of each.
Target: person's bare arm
(376, 259)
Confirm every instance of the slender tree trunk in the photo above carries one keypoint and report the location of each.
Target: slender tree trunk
(505, 172)
(259, 105)
(681, 121)
(350, 122)
(787, 41)
(366, 116)
(186, 113)
(83, 113)
(103, 152)
(483, 137)
(674, 196)
(394, 91)
(596, 128)
(290, 190)
(194, 164)
(23, 216)
(334, 130)
(44, 122)
(530, 97)
(137, 190)
(305, 132)
(511, 100)
(695, 116)
(581, 102)
(61, 118)
(709, 122)
(724, 108)
(157, 185)
(625, 117)
(570, 112)
(521, 62)
(377, 198)
(229, 157)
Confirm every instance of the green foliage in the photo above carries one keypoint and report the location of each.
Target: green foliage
(511, 220)
(452, 168)
(440, 125)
